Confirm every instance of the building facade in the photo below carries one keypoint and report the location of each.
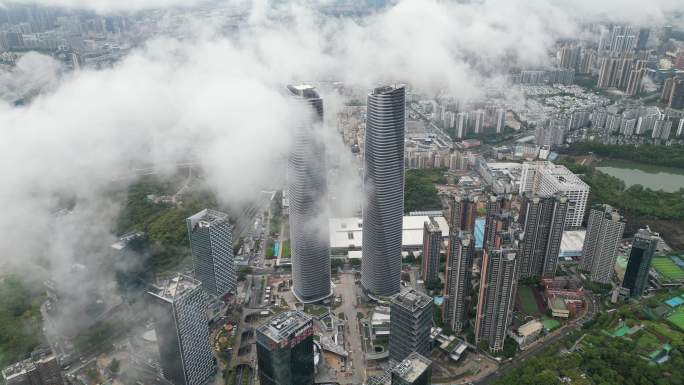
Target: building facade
(462, 213)
(458, 275)
(179, 309)
(543, 220)
(639, 264)
(432, 245)
(604, 232)
(411, 320)
(42, 368)
(211, 244)
(285, 351)
(384, 191)
(307, 185)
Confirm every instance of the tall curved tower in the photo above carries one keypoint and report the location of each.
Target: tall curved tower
(384, 191)
(307, 185)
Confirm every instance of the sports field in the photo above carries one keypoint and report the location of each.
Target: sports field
(527, 301)
(677, 318)
(667, 268)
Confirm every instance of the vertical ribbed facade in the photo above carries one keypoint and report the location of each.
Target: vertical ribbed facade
(384, 191)
(307, 185)
(543, 219)
(432, 244)
(211, 245)
(458, 280)
(604, 232)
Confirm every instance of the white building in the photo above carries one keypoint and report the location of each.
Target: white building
(546, 178)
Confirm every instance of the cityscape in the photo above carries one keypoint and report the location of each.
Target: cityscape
(351, 192)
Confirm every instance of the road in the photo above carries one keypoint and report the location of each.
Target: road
(347, 289)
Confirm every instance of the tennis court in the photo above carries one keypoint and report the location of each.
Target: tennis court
(667, 268)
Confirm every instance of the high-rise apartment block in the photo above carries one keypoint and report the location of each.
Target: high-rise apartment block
(458, 277)
(179, 309)
(384, 190)
(211, 244)
(498, 284)
(285, 350)
(676, 99)
(604, 232)
(546, 179)
(41, 369)
(639, 264)
(411, 320)
(497, 218)
(432, 245)
(543, 220)
(462, 212)
(307, 185)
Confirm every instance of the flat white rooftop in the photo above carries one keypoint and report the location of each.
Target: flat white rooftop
(347, 233)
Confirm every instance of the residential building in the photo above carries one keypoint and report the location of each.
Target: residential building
(639, 264)
(604, 232)
(458, 276)
(546, 178)
(179, 309)
(543, 220)
(462, 212)
(411, 320)
(211, 245)
(676, 99)
(432, 246)
(384, 191)
(307, 185)
(42, 368)
(285, 350)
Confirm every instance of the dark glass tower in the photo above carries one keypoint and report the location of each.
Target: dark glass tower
(307, 186)
(285, 350)
(643, 249)
(543, 219)
(432, 244)
(410, 323)
(384, 191)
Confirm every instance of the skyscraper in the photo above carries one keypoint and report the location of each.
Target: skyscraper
(639, 264)
(285, 350)
(462, 212)
(211, 244)
(604, 232)
(307, 185)
(458, 276)
(411, 320)
(543, 220)
(676, 100)
(497, 218)
(432, 244)
(384, 191)
(179, 308)
(498, 284)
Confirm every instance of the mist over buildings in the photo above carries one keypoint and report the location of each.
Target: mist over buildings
(218, 99)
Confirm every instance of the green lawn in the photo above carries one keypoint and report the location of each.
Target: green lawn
(529, 304)
(677, 318)
(667, 268)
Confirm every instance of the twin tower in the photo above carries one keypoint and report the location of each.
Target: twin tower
(383, 191)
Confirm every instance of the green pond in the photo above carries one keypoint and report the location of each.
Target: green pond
(654, 177)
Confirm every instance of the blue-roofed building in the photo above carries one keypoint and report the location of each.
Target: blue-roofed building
(479, 232)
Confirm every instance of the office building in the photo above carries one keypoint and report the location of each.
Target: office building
(458, 276)
(604, 232)
(462, 212)
(676, 100)
(307, 184)
(639, 264)
(543, 220)
(546, 179)
(42, 368)
(498, 284)
(411, 313)
(211, 245)
(179, 309)
(285, 350)
(384, 191)
(432, 245)
(413, 370)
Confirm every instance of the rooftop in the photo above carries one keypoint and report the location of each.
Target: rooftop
(282, 326)
(207, 218)
(386, 89)
(175, 287)
(412, 367)
(305, 91)
(411, 300)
